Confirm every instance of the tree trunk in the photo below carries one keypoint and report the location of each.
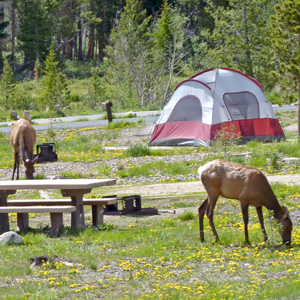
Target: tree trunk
(79, 26)
(298, 108)
(298, 96)
(101, 47)
(101, 33)
(91, 46)
(69, 50)
(249, 69)
(13, 31)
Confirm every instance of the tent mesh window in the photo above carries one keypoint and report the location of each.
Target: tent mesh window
(242, 106)
(187, 108)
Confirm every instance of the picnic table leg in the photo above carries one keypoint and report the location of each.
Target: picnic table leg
(77, 217)
(4, 221)
(23, 221)
(97, 215)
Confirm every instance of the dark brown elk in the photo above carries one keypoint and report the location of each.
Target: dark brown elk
(246, 184)
(22, 138)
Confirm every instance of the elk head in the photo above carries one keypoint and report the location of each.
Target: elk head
(286, 226)
(29, 167)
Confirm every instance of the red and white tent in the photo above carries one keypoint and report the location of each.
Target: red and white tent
(200, 105)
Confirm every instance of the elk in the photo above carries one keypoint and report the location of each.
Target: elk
(22, 138)
(246, 184)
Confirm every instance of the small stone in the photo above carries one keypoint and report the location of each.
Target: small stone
(10, 237)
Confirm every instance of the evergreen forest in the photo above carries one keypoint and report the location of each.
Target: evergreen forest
(69, 56)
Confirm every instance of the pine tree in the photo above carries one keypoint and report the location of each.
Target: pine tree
(144, 56)
(240, 37)
(127, 54)
(168, 40)
(3, 34)
(286, 45)
(36, 28)
(54, 87)
(7, 87)
(95, 90)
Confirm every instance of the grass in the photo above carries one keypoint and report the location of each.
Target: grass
(160, 166)
(155, 257)
(147, 258)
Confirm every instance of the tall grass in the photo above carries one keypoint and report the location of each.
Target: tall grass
(137, 150)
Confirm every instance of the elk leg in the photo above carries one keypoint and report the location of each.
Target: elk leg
(246, 219)
(210, 215)
(201, 212)
(18, 165)
(261, 221)
(15, 165)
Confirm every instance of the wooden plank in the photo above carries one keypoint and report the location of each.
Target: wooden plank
(36, 202)
(37, 209)
(102, 201)
(55, 184)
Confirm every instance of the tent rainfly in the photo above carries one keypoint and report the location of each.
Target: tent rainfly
(200, 105)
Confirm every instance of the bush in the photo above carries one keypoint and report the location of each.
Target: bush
(137, 150)
(118, 125)
(187, 216)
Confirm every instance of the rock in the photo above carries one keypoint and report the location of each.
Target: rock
(10, 237)
(14, 115)
(290, 159)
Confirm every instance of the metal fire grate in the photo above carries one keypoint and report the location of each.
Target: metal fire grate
(46, 152)
(130, 205)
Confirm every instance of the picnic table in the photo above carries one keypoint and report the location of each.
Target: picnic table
(73, 188)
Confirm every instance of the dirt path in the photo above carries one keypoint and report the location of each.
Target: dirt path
(182, 188)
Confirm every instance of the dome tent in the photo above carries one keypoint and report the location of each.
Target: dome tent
(200, 105)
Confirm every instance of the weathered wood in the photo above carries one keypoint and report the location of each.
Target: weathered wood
(4, 221)
(96, 204)
(56, 223)
(23, 221)
(58, 184)
(77, 220)
(97, 215)
(74, 188)
(37, 209)
(56, 215)
(36, 202)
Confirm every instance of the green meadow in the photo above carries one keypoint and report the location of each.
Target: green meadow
(156, 257)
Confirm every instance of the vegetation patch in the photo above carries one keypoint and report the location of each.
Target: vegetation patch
(148, 258)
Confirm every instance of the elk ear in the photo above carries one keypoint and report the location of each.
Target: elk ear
(284, 212)
(35, 160)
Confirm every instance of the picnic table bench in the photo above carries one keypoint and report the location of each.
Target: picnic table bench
(73, 188)
(56, 215)
(53, 206)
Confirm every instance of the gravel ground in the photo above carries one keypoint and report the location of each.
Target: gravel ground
(187, 184)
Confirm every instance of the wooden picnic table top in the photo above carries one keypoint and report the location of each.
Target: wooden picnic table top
(63, 184)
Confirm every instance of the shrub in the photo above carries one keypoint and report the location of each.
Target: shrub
(187, 216)
(225, 139)
(137, 150)
(118, 125)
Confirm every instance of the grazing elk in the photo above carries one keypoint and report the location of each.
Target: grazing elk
(22, 139)
(246, 184)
